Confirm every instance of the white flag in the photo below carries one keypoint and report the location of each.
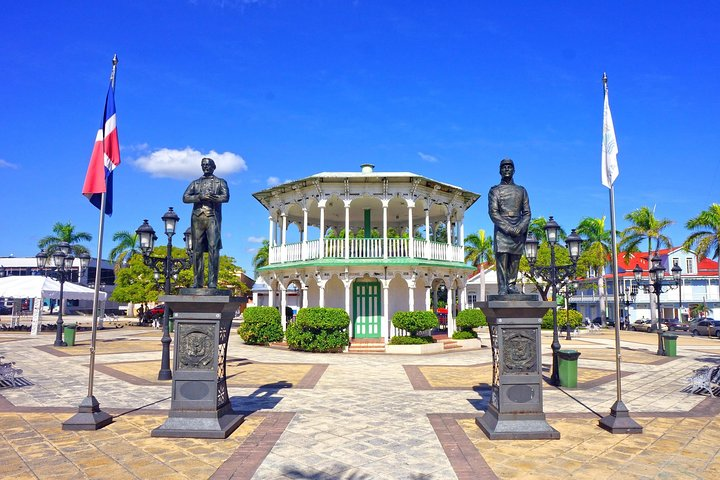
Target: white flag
(610, 168)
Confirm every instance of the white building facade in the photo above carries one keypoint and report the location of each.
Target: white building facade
(366, 242)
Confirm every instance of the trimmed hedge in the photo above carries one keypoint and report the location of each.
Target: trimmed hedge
(261, 325)
(411, 340)
(467, 321)
(464, 335)
(413, 322)
(319, 329)
(575, 317)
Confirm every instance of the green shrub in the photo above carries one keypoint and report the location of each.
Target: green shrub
(575, 317)
(413, 322)
(319, 329)
(261, 325)
(411, 340)
(470, 318)
(464, 334)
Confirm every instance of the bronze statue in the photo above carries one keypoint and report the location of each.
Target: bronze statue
(509, 209)
(207, 194)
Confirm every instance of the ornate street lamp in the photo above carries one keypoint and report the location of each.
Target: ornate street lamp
(555, 275)
(627, 299)
(167, 266)
(677, 274)
(62, 262)
(657, 285)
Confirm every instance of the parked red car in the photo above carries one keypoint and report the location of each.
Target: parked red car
(156, 311)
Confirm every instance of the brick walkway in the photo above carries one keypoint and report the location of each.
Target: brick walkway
(346, 416)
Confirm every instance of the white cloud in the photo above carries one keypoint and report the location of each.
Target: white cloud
(272, 181)
(428, 158)
(6, 164)
(185, 164)
(255, 239)
(252, 250)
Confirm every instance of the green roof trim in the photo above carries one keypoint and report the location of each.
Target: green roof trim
(358, 262)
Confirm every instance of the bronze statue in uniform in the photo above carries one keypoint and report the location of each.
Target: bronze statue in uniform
(207, 194)
(509, 209)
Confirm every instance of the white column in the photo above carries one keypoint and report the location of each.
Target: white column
(462, 233)
(271, 236)
(411, 243)
(463, 298)
(384, 328)
(450, 307)
(411, 296)
(322, 230)
(255, 299)
(347, 229)
(271, 298)
(304, 235)
(348, 283)
(385, 227)
(283, 232)
(283, 304)
(304, 296)
(448, 229)
(428, 305)
(321, 301)
(427, 233)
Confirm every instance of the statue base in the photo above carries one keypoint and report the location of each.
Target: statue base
(200, 405)
(515, 411)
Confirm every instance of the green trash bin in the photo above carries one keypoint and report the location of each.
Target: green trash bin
(69, 333)
(670, 343)
(568, 367)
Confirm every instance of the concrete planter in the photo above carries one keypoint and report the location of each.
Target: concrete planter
(470, 343)
(415, 349)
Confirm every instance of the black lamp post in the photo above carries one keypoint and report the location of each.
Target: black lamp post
(167, 266)
(627, 299)
(62, 261)
(555, 275)
(657, 285)
(569, 291)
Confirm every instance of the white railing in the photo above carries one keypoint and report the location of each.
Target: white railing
(359, 248)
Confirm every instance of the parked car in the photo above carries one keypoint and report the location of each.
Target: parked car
(646, 325)
(705, 326)
(5, 310)
(674, 324)
(156, 311)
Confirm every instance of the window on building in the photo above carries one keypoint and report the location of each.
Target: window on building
(689, 265)
(676, 262)
(472, 298)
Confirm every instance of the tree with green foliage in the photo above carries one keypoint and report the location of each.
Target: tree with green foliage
(262, 256)
(261, 325)
(135, 283)
(65, 232)
(562, 257)
(596, 254)
(127, 245)
(478, 252)
(705, 237)
(319, 329)
(645, 226)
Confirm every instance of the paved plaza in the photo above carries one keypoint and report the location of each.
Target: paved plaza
(354, 416)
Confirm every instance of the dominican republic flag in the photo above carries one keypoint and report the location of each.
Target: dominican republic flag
(105, 157)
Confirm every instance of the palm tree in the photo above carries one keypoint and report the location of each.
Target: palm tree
(645, 226)
(65, 232)
(705, 237)
(537, 228)
(597, 247)
(478, 251)
(127, 246)
(262, 256)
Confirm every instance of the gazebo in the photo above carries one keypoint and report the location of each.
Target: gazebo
(372, 243)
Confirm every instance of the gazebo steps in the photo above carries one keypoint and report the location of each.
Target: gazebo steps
(367, 345)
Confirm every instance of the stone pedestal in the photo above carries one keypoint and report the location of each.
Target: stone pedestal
(515, 411)
(200, 405)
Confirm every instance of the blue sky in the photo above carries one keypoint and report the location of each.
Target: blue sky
(285, 89)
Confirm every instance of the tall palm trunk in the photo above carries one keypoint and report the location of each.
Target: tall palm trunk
(482, 282)
(602, 299)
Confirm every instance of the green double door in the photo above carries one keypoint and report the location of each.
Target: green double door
(367, 310)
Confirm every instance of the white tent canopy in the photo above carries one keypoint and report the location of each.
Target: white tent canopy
(44, 287)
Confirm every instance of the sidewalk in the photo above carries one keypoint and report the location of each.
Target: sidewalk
(328, 416)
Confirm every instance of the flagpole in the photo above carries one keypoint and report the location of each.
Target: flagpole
(90, 416)
(619, 420)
